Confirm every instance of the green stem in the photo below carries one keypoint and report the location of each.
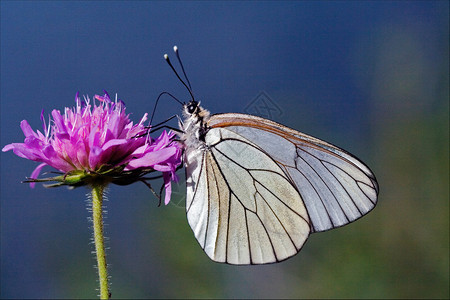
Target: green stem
(97, 218)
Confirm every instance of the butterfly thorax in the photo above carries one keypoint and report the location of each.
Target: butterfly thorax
(194, 125)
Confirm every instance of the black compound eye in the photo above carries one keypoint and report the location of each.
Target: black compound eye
(191, 107)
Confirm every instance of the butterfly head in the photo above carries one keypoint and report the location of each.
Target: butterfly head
(191, 107)
(193, 110)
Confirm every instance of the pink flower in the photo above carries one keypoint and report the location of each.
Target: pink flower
(98, 143)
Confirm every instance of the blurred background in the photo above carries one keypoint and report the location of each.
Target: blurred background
(371, 77)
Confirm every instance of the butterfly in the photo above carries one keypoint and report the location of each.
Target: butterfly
(257, 189)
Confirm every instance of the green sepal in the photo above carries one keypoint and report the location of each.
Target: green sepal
(103, 175)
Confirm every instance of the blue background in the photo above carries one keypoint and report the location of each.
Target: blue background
(369, 76)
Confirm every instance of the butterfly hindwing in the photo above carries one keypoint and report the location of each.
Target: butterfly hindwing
(240, 204)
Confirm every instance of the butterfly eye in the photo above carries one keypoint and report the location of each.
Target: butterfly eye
(191, 107)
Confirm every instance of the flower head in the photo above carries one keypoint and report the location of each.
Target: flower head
(97, 143)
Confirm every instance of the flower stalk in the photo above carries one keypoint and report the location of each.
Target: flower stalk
(97, 219)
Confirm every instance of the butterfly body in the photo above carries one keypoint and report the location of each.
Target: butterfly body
(194, 126)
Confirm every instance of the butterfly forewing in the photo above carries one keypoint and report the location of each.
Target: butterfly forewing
(336, 187)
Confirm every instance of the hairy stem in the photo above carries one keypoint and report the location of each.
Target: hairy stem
(97, 219)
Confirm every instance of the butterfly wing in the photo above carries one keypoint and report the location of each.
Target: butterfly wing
(240, 204)
(335, 186)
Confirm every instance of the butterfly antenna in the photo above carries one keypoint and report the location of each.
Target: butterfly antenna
(157, 100)
(166, 57)
(175, 49)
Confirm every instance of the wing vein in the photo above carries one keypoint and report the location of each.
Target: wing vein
(324, 181)
(209, 204)
(278, 219)
(255, 180)
(197, 183)
(319, 195)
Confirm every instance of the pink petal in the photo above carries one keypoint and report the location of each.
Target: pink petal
(168, 187)
(94, 156)
(8, 147)
(114, 142)
(22, 150)
(26, 128)
(36, 173)
(152, 158)
(59, 121)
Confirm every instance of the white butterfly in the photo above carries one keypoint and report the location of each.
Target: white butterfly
(256, 189)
